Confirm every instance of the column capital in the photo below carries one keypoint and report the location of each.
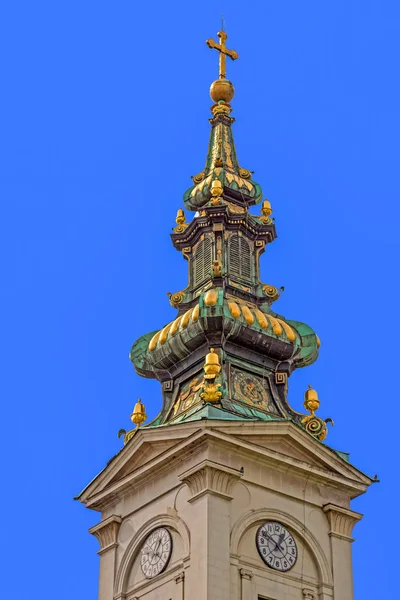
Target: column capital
(106, 532)
(309, 594)
(246, 574)
(210, 477)
(341, 521)
(180, 577)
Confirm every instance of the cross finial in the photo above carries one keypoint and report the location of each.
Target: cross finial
(223, 52)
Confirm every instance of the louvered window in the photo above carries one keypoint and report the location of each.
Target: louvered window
(239, 257)
(202, 261)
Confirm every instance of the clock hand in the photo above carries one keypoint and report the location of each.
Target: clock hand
(280, 540)
(273, 541)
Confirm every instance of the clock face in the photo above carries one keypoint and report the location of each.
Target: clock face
(276, 546)
(156, 552)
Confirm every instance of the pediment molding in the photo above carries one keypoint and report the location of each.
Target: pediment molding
(320, 463)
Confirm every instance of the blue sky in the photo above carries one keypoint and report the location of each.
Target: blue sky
(104, 118)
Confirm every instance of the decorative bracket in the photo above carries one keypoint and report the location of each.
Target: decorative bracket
(210, 477)
(341, 521)
(106, 532)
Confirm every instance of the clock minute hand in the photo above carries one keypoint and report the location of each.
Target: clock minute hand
(273, 541)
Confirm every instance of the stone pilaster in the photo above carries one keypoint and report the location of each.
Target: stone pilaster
(180, 582)
(246, 581)
(210, 485)
(341, 523)
(107, 533)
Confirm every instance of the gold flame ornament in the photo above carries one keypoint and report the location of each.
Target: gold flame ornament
(180, 220)
(137, 417)
(139, 413)
(212, 368)
(266, 212)
(314, 425)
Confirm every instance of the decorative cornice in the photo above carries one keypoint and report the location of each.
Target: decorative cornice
(309, 594)
(341, 521)
(210, 477)
(106, 532)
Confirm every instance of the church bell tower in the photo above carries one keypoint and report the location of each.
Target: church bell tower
(228, 494)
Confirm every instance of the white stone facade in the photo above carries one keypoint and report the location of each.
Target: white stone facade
(212, 484)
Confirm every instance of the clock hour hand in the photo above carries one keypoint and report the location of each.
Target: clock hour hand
(280, 540)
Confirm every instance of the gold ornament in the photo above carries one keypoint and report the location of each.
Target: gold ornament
(217, 268)
(211, 392)
(223, 53)
(245, 173)
(271, 292)
(314, 425)
(139, 413)
(199, 177)
(176, 298)
(181, 222)
(266, 211)
(216, 191)
(212, 368)
(138, 417)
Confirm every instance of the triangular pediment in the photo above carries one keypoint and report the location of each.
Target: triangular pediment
(281, 444)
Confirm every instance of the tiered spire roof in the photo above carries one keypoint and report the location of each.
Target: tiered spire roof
(226, 354)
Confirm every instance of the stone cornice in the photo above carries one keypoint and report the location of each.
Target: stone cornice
(327, 468)
(210, 477)
(341, 521)
(107, 532)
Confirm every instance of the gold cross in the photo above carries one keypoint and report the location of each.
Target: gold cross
(223, 52)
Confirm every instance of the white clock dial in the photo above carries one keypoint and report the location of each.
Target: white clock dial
(156, 552)
(276, 546)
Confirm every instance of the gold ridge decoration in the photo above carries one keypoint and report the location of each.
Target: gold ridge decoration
(138, 417)
(238, 309)
(314, 425)
(212, 368)
(250, 314)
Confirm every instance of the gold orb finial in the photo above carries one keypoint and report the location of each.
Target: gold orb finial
(222, 90)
